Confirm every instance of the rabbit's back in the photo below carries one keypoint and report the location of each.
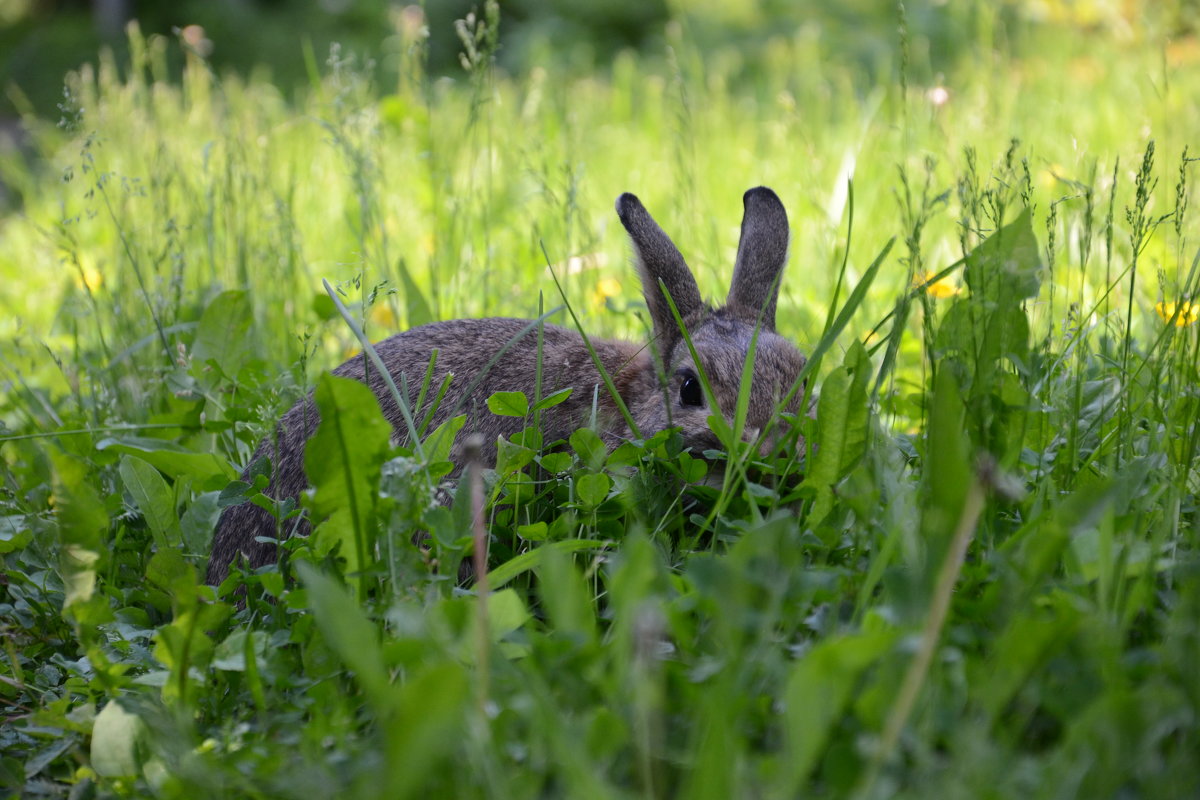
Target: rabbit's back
(463, 349)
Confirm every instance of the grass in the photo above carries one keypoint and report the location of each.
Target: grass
(978, 577)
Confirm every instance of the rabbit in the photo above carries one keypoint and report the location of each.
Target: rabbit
(658, 395)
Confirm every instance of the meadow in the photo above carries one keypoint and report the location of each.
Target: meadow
(972, 572)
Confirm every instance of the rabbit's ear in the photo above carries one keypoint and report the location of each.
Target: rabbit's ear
(761, 255)
(659, 259)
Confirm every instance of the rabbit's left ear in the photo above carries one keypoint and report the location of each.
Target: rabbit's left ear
(761, 255)
(658, 259)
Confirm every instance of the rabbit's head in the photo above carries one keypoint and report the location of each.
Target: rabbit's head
(722, 336)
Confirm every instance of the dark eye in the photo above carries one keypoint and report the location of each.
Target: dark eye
(690, 393)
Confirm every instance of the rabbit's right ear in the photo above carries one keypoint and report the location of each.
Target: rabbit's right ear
(659, 259)
(762, 252)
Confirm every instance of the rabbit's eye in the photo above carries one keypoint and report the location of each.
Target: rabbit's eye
(690, 393)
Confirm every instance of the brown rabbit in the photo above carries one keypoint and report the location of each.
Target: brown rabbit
(658, 396)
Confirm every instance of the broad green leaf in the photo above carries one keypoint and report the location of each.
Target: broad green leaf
(154, 499)
(117, 742)
(252, 656)
(531, 559)
(447, 530)
(222, 335)
(1006, 266)
(348, 632)
(822, 505)
(832, 411)
(506, 613)
(626, 454)
(1038, 545)
(817, 691)
(173, 460)
(168, 570)
(44, 756)
(343, 461)
(634, 598)
(14, 533)
(78, 566)
(714, 734)
(1023, 647)
(199, 521)
(80, 511)
(230, 654)
(511, 457)
(555, 463)
(425, 732)
(82, 522)
(530, 437)
(842, 419)
(184, 646)
(565, 597)
(323, 307)
(986, 329)
(535, 532)
(551, 400)
(508, 404)
(983, 336)
(592, 488)
(693, 469)
(236, 493)
(438, 444)
(947, 464)
(1007, 335)
(589, 447)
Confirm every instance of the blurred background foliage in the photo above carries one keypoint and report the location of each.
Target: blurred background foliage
(247, 153)
(40, 40)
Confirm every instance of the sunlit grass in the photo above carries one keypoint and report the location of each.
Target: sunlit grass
(975, 575)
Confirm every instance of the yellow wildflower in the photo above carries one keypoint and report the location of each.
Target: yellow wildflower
(86, 273)
(605, 288)
(1188, 312)
(92, 277)
(1048, 177)
(940, 289)
(383, 316)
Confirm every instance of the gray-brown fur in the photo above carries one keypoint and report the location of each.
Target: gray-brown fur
(658, 259)
(721, 337)
(762, 252)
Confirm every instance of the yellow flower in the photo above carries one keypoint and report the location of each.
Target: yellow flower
(1048, 177)
(382, 315)
(86, 273)
(940, 289)
(1188, 312)
(605, 288)
(92, 277)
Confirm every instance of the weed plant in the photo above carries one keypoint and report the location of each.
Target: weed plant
(972, 572)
